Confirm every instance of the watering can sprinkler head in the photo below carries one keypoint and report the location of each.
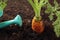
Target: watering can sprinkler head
(18, 20)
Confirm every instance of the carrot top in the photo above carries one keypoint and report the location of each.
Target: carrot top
(37, 5)
(3, 4)
(54, 10)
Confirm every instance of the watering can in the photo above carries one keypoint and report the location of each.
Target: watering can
(17, 20)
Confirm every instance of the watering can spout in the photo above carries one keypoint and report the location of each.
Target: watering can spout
(17, 20)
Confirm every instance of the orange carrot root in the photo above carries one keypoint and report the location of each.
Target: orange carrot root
(37, 26)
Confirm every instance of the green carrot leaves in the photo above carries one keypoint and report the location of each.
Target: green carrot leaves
(54, 10)
(3, 4)
(37, 7)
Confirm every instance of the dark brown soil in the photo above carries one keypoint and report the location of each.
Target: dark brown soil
(14, 32)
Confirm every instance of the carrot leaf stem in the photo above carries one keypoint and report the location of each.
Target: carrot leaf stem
(37, 7)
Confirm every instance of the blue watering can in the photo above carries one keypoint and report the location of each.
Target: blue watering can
(17, 20)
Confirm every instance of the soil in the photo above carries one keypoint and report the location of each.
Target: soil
(24, 9)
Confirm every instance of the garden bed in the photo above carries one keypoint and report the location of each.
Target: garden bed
(14, 32)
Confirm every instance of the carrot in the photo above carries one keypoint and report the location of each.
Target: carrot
(37, 26)
(37, 23)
